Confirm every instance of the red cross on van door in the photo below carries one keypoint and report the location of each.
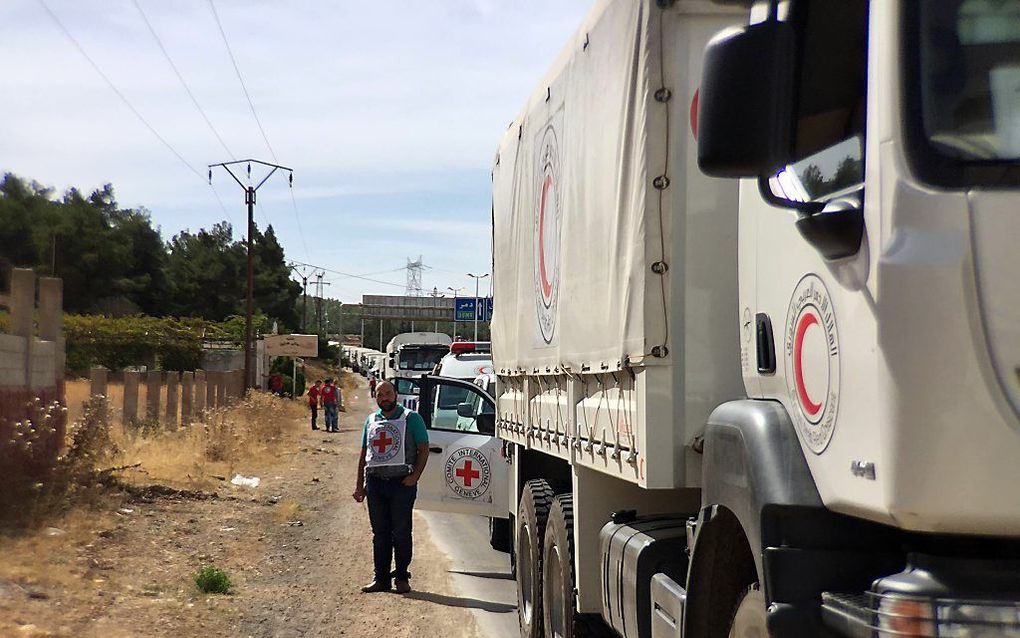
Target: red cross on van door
(467, 473)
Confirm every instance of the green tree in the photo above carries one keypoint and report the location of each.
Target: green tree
(207, 273)
(275, 293)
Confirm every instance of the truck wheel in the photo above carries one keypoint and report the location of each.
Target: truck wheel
(531, 517)
(558, 569)
(499, 534)
(749, 620)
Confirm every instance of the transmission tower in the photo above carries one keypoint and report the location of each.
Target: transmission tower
(414, 269)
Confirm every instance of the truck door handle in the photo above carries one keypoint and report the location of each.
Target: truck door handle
(435, 450)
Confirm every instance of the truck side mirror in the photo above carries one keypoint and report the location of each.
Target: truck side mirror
(745, 108)
(466, 410)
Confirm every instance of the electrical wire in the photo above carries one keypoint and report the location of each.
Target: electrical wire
(258, 121)
(347, 274)
(240, 79)
(180, 78)
(131, 107)
(117, 91)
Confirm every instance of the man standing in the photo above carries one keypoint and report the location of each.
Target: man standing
(330, 398)
(313, 402)
(371, 384)
(394, 450)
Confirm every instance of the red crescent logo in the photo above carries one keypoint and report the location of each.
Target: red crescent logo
(546, 286)
(806, 322)
(694, 112)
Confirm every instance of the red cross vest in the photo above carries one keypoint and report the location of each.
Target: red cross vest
(388, 454)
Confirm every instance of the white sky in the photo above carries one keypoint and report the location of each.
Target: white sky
(389, 113)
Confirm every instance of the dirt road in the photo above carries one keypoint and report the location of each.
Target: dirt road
(297, 549)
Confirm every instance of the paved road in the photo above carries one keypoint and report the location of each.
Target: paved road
(480, 575)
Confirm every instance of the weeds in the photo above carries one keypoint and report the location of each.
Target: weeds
(99, 453)
(49, 489)
(212, 580)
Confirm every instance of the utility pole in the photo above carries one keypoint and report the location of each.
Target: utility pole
(320, 300)
(478, 310)
(249, 200)
(436, 295)
(456, 293)
(304, 292)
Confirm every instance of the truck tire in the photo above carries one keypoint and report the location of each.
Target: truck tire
(532, 513)
(749, 620)
(558, 569)
(499, 534)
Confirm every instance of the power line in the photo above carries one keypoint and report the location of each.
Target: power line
(240, 79)
(297, 218)
(254, 113)
(347, 274)
(180, 77)
(114, 88)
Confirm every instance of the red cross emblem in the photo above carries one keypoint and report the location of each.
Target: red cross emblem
(382, 442)
(467, 473)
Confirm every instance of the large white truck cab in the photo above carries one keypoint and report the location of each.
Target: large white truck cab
(410, 355)
(757, 329)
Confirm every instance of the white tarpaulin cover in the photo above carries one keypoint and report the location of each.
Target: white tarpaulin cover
(579, 221)
(576, 215)
(611, 249)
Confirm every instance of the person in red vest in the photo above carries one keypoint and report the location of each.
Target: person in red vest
(313, 402)
(276, 384)
(330, 401)
(371, 385)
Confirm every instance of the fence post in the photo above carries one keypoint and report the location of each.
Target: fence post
(200, 393)
(187, 390)
(131, 378)
(153, 382)
(210, 390)
(51, 319)
(221, 389)
(98, 376)
(22, 309)
(172, 384)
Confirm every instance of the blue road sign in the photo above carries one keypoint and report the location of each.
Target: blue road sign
(465, 309)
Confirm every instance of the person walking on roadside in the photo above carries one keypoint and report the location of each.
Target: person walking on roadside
(394, 451)
(330, 400)
(371, 384)
(313, 402)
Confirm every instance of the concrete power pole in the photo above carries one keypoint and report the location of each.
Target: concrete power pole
(436, 295)
(249, 200)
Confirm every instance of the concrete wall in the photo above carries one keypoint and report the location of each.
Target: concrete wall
(32, 365)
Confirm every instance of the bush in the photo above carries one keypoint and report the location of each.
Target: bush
(170, 343)
(212, 580)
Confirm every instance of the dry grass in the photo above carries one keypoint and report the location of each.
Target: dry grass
(288, 511)
(249, 434)
(48, 558)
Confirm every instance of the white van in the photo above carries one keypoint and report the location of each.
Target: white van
(467, 361)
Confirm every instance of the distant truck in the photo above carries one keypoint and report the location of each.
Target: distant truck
(757, 325)
(410, 355)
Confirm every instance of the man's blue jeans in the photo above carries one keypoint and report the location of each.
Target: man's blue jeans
(390, 504)
(331, 416)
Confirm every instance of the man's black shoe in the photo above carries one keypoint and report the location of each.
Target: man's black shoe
(376, 586)
(403, 587)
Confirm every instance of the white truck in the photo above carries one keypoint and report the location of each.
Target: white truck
(410, 355)
(757, 335)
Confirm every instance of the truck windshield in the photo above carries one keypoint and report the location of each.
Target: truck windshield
(970, 78)
(421, 359)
